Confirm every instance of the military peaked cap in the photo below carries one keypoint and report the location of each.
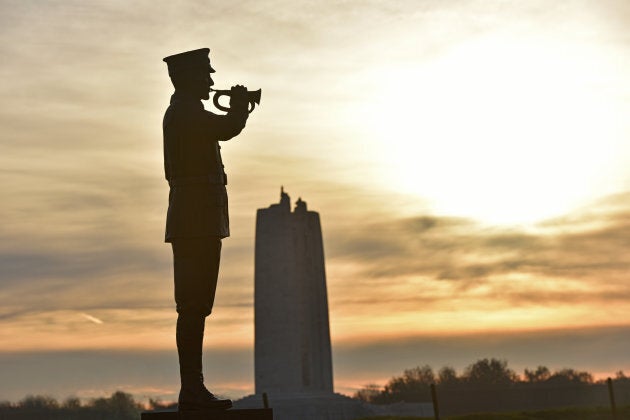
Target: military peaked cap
(187, 60)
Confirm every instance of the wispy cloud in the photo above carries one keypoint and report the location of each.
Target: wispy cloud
(92, 318)
(459, 249)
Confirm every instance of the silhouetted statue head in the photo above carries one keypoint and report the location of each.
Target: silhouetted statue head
(190, 72)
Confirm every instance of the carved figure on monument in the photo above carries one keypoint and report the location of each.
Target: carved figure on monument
(197, 218)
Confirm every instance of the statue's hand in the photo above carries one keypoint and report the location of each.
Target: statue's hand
(239, 98)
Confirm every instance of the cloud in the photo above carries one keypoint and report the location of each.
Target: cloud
(588, 250)
(101, 277)
(92, 318)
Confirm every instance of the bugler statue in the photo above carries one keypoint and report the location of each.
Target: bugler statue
(197, 218)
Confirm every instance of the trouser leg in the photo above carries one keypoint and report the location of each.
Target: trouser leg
(196, 269)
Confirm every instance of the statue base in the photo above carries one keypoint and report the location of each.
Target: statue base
(232, 414)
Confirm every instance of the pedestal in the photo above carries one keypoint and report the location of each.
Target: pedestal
(233, 414)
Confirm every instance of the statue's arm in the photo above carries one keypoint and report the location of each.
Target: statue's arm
(225, 127)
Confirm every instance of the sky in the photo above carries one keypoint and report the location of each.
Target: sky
(469, 160)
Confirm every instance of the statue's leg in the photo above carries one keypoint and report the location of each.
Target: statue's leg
(196, 267)
(189, 337)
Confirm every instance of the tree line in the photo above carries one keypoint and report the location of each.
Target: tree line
(490, 379)
(119, 406)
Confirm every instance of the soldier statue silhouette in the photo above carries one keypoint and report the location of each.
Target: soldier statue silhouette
(197, 217)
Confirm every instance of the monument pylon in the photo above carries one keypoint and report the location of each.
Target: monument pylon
(292, 344)
(293, 361)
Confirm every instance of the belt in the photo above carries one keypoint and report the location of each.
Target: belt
(197, 180)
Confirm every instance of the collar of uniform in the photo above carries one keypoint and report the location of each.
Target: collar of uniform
(182, 97)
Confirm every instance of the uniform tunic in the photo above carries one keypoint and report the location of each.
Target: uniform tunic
(198, 204)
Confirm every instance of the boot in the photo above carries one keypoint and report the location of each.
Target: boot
(193, 394)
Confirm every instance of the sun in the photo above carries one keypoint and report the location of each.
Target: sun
(503, 131)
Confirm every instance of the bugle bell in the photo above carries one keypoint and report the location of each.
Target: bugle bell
(253, 97)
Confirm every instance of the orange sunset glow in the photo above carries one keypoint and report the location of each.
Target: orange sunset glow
(470, 162)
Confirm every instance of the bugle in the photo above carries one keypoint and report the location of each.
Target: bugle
(253, 97)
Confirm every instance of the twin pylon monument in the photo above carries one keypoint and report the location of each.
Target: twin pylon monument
(293, 357)
(292, 343)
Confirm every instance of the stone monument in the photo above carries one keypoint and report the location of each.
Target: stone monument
(292, 350)
(293, 362)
